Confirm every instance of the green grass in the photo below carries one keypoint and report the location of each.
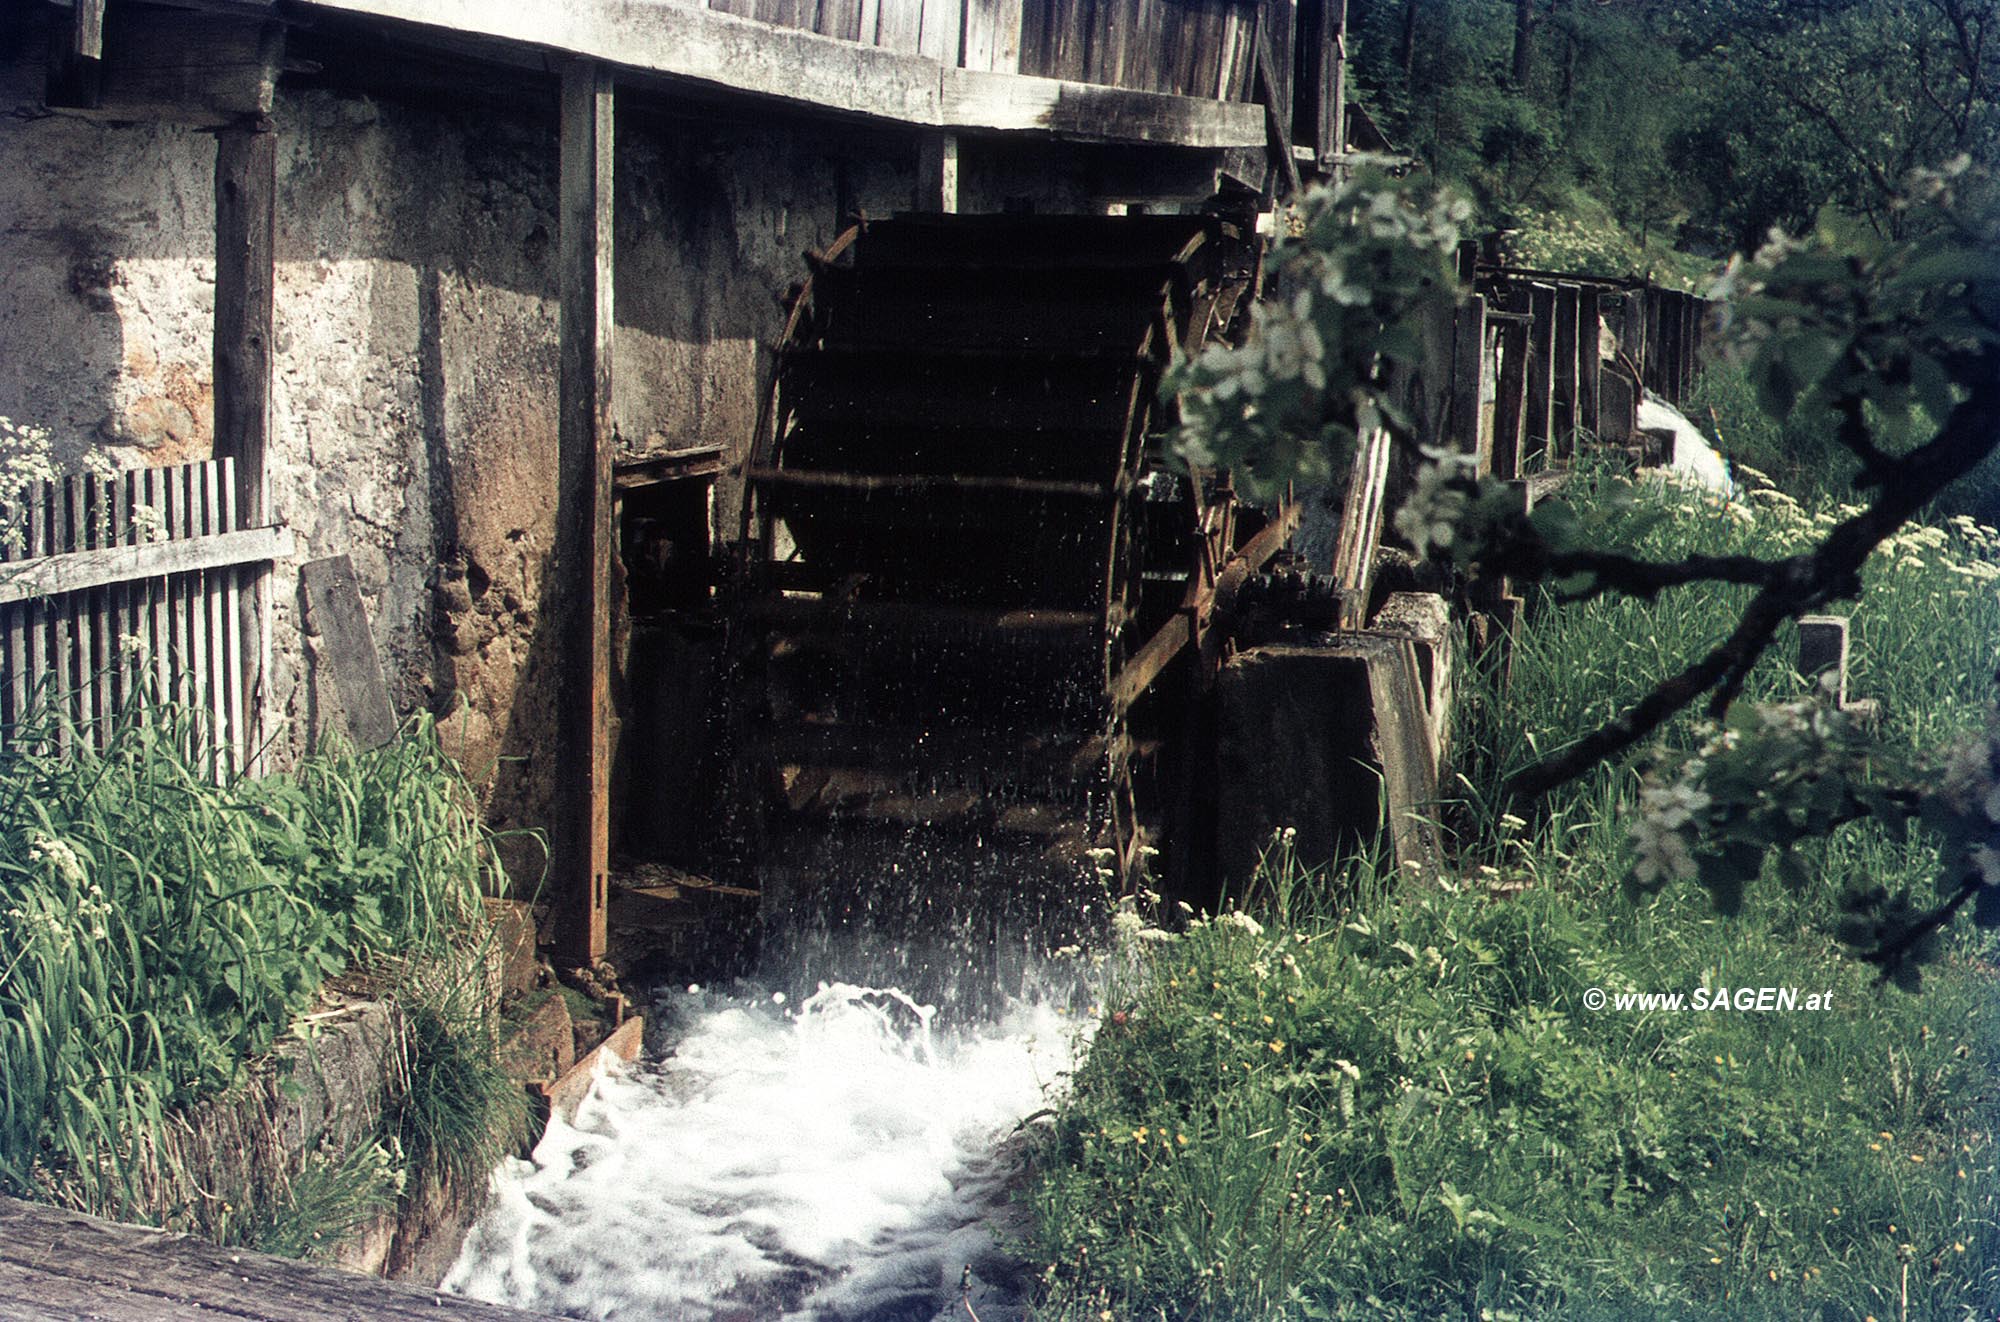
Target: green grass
(159, 930)
(1398, 1105)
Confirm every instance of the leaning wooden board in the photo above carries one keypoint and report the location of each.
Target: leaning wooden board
(57, 1264)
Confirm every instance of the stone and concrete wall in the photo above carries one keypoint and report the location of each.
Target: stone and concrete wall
(415, 392)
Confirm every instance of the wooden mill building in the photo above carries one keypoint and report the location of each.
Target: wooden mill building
(479, 295)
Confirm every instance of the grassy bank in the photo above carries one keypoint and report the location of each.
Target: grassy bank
(1402, 1104)
(159, 931)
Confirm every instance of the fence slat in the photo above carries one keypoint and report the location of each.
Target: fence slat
(64, 532)
(211, 595)
(159, 635)
(16, 636)
(103, 637)
(230, 632)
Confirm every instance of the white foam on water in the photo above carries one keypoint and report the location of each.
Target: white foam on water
(1693, 457)
(830, 1161)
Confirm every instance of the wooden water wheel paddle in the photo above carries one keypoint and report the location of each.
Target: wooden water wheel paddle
(975, 596)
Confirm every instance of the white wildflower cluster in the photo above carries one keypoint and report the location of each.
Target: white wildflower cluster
(1553, 241)
(149, 522)
(74, 906)
(25, 459)
(1129, 921)
(59, 856)
(1234, 919)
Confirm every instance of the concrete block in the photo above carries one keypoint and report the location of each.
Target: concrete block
(542, 1044)
(1425, 620)
(1823, 646)
(1330, 740)
(512, 953)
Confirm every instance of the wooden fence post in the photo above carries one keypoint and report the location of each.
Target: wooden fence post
(1512, 392)
(1541, 371)
(1468, 379)
(1565, 371)
(1589, 332)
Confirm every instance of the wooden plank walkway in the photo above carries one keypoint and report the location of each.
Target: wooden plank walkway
(58, 1264)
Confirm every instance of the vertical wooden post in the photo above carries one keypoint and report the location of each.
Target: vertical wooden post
(937, 172)
(1565, 371)
(1541, 370)
(1690, 337)
(77, 61)
(1589, 366)
(246, 184)
(1512, 392)
(1468, 379)
(1667, 349)
(581, 817)
(246, 209)
(1320, 68)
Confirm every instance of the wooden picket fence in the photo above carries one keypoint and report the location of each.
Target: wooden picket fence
(146, 582)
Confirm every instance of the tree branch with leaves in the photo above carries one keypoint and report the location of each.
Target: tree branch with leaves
(1898, 338)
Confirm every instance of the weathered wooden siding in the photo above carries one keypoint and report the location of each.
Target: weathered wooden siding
(1200, 48)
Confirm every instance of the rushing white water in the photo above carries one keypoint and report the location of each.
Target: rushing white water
(1693, 457)
(833, 1162)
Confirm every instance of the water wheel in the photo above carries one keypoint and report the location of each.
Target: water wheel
(974, 596)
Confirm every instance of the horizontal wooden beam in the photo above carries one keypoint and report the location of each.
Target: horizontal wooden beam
(702, 45)
(73, 571)
(974, 99)
(645, 39)
(203, 70)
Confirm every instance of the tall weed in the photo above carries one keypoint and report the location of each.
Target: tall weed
(157, 929)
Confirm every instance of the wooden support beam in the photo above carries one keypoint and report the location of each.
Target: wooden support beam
(1690, 337)
(1274, 91)
(1589, 364)
(581, 816)
(147, 62)
(937, 172)
(1468, 381)
(1510, 404)
(246, 187)
(244, 366)
(1361, 525)
(1565, 372)
(1667, 347)
(1541, 373)
(977, 99)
